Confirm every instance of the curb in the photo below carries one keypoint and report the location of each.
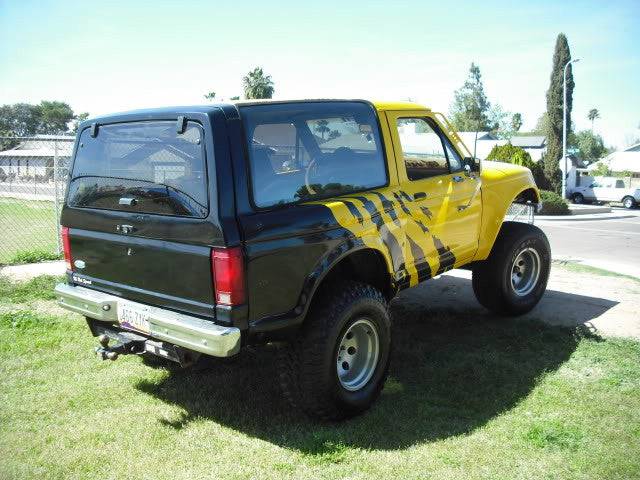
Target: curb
(571, 218)
(615, 268)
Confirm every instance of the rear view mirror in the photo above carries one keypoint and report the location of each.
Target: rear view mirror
(471, 164)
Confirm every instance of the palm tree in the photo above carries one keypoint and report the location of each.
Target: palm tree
(257, 85)
(321, 127)
(210, 96)
(592, 115)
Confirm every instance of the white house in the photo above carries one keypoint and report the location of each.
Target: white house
(34, 157)
(627, 160)
(484, 144)
(535, 145)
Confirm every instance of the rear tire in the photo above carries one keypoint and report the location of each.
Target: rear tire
(337, 366)
(577, 198)
(514, 277)
(628, 202)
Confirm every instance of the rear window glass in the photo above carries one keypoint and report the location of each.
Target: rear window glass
(145, 167)
(309, 150)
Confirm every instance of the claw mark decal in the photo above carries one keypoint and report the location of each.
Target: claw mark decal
(396, 225)
(445, 256)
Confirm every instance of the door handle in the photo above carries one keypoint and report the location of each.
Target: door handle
(458, 178)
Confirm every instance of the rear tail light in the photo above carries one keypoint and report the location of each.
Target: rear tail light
(66, 247)
(227, 265)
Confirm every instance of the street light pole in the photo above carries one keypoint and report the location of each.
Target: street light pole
(564, 127)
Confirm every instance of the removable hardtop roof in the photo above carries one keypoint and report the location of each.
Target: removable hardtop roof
(168, 113)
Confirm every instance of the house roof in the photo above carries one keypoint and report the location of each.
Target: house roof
(41, 146)
(633, 148)
(470, 137)
(523, 141)
(621, 161)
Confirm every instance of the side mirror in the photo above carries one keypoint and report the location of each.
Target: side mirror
(471, 164)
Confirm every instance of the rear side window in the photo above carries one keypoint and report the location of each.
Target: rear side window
(309, 150)
(143, 167)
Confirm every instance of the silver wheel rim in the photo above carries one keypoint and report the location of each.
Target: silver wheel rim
(357, 355)
(627, 203)
(525, 272)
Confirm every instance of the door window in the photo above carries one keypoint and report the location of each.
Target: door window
(423, 150)
(455, 162)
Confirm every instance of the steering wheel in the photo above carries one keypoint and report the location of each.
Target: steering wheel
(312, 168)
(312, 165)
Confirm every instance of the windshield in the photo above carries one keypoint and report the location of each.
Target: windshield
(143, 167)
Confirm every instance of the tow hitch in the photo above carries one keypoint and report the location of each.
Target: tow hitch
(114, 343)
(126, 343)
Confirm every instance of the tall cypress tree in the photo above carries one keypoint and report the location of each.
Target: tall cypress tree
(553, 128)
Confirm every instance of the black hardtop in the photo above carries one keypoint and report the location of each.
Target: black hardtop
(162, 113)
(231, 109)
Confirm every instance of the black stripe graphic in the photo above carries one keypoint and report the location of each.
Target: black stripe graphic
(447, 259)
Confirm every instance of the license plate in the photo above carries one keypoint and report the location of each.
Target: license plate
(133, 317)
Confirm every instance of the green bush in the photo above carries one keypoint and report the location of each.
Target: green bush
(553, 204)
(33, 256)
(507, 153)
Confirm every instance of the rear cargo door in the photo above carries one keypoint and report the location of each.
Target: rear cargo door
(138, 212)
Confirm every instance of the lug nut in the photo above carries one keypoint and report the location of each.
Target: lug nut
(104, 340)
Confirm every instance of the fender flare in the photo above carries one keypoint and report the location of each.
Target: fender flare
(313, 280)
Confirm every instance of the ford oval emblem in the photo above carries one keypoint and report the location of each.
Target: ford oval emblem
(79, 264)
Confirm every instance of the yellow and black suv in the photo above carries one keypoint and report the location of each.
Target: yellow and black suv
(197, 231)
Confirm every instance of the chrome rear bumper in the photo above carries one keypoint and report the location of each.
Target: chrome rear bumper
(176, 328)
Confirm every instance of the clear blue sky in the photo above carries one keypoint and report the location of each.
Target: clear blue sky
(103, 56)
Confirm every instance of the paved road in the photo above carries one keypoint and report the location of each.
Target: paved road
(610, 242)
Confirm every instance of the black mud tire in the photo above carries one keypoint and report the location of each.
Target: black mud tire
(492, 277)
(307, 365)
(577, 198)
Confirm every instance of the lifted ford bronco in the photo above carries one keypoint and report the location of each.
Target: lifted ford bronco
(200, 230)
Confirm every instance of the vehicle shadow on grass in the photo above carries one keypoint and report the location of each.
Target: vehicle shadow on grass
(451, 373)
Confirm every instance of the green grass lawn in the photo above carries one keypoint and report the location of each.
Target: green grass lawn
(26, 226)
(467, 398)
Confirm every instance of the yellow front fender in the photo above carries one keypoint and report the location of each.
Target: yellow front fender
(502, 185)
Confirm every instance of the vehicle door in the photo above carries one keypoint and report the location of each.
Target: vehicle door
(618, 191)
(602, 191)
(442, 213)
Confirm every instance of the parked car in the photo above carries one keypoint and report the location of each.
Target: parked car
(612, 190)
(201, 230)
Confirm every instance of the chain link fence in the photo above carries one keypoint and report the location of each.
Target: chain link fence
(33, 174)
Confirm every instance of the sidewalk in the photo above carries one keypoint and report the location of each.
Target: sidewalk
(593, 216)
(20, 273)
(607, 305)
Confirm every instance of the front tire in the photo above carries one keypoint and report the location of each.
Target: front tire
(514, 277)
(337, 366)
(628, 203)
